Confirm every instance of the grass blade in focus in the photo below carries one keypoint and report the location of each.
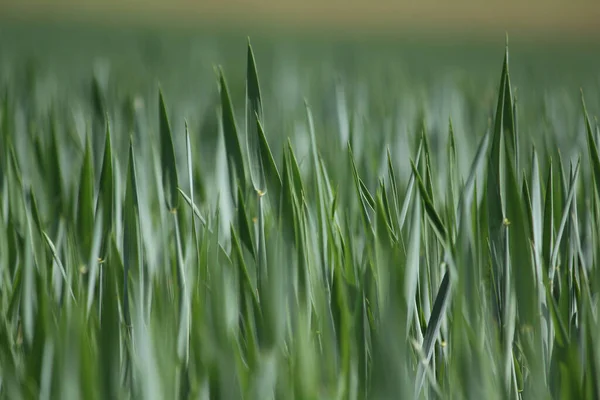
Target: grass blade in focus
(167, 156)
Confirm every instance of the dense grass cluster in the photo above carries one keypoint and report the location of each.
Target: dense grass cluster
(130, 270)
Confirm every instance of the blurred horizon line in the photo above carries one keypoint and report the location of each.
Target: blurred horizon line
(557, 20)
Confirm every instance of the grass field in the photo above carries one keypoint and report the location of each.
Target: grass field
(193, 214)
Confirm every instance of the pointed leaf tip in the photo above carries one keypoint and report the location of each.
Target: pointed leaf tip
(254, 114)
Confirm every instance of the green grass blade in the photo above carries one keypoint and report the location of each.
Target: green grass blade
(261, 251)
(495, 184)
(409, 190)
(59, 263)
(131, 233)
(468, 193)
(320, 193)
(563, 221)
(362, 200)
(433, 327)
(272, 176)
(232, 140)
(193, 207)
(106, 191)
(109, 339)
(167, 156)
(537, 221)
(432, 214)
(56, 182)
(98, 99)
(383, 228)
(35, 233)
(523, 275)
(411, 280)
(244, 226)
(548, 233)
(592, 147)
(254, 116)
(85, 203)
(393, 183)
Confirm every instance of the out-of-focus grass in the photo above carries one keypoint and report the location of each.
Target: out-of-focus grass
(296, 219)
(557, 18)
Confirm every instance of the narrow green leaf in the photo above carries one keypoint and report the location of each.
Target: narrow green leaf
(55, 182)
(193, 207)
(184, 299)
(59, 263)
(254, 116)
(548, 233)
(592, 147)
(261, 252)
(294, 168)
(524, 280)
(287, 210)
(364, 191)
(393, 183)
(495, 184)
(383, 229)
(387, 208)
(319, 189)
(476, 166)
(98, 100)
(452, 177)
(35, 233)
(202, 275)
(508, 120)
(409, 190)
(85, 203)
(270, 168)
(411, 279)
(232, 140)
(563, 222)
(362, 200)
(433, 327)
(243, 270)
(131, 234)
(244, 225)
(167, 157)
(106, 198)
(537, 214)
(109, 338)
(434, 218)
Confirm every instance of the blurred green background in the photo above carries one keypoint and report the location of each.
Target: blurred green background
(388, 50)
(395, 54)
(540, 18)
